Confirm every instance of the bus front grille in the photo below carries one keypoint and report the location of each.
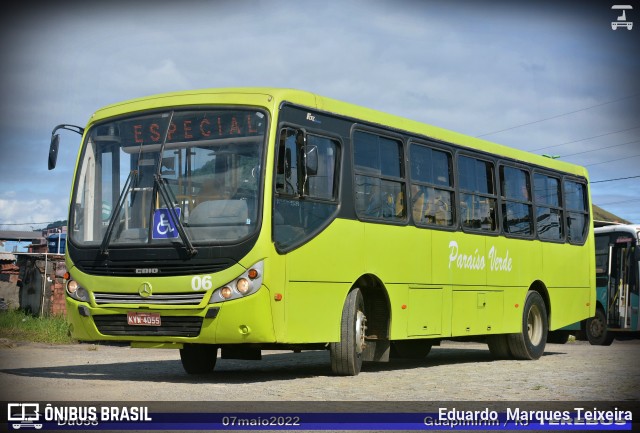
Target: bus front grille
(171, 326)
(157, 299)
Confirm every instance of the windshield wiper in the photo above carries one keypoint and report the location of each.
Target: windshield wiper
(166, 196)
(104, 246)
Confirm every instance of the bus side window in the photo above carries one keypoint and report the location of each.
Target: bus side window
(517, 210)
(478, 199)
(379, 175)
(286, 178)
(549, 213)
(431, 186)
(577, 213)
(305, 194)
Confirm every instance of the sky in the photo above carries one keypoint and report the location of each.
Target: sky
(550, 77)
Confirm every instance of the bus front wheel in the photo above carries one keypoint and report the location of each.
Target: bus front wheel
(198, 358)
(596, 330)
(530, 342)
(346, 355)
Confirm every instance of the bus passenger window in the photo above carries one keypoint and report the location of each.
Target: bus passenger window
(517, 210)
(431, 186)
(577, 212)
(379, 172)
(549, 213)
(478, 199)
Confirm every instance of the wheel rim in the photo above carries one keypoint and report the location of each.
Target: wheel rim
(596, 327)
(361, 327)
(534, 325)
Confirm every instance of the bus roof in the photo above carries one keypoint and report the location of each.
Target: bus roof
(273, 97)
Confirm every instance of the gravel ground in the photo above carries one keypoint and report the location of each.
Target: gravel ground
(454, 371)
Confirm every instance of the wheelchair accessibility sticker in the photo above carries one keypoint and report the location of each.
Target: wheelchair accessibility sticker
(164, 227)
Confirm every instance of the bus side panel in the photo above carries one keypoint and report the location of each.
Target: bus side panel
(459, 259)
(425, 311)
(568, 265)
(314, 311)
(477, 312)
(335, 254)
(419, 311)
(571, 289)
(319, 275)
(568, 305)
(513, 265)
(397, 254)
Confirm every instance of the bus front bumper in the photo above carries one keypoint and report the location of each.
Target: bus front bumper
(245, 320)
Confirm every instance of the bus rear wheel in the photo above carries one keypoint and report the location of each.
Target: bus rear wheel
(596, 330)
(198, 358)
(499, 346)
(530, 342)
(347, 354)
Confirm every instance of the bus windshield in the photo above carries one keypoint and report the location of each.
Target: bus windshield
(170, 177)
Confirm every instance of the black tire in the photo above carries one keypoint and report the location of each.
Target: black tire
(198, 358)
(346, 355)
(410, 349)
(558, 337)
(530, 343)
(596, 330)
(499, 346)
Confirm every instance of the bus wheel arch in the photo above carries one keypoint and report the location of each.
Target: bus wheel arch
(377, 306)
(530, 342)
(364, 327)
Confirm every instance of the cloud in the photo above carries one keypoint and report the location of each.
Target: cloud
(473, 67)
(21, 214)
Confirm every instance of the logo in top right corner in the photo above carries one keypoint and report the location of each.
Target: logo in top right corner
(622, 19)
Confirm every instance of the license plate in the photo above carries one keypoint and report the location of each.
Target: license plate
(143, 319)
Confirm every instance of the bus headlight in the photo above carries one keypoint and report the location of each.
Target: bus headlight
(243, 286)
(76, 291)
(246, 284)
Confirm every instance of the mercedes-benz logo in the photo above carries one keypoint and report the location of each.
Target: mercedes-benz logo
(145, 290)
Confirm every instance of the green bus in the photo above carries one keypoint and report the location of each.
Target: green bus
(255, 219)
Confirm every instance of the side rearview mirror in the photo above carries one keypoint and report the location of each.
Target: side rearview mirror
(55, 142)
(53, 151)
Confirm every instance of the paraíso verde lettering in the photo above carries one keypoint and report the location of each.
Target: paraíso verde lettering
(476, 261)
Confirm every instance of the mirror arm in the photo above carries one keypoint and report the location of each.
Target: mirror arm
(74, 128)
(55, 140)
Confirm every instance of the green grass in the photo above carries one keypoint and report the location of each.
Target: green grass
(18, 326)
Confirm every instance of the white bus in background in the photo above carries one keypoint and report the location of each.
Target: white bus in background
(617, 250)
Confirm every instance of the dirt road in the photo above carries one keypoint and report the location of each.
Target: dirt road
(452, 372)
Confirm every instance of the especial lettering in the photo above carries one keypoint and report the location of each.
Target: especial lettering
(192, 126)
